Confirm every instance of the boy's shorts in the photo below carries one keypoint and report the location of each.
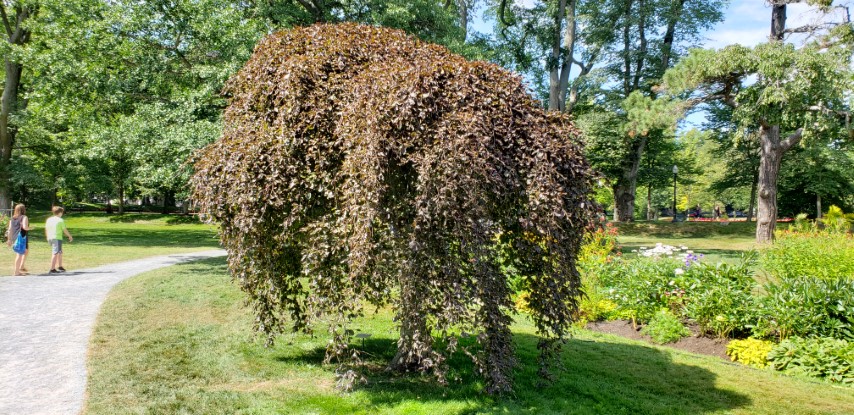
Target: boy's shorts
(56, 246)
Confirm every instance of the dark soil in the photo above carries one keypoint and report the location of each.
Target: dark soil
(694, 344)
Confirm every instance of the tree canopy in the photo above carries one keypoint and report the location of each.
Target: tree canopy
(373, 164)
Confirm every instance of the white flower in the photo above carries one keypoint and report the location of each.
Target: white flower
(678, 271)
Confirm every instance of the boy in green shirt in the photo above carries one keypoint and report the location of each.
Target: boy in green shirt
(53, 229)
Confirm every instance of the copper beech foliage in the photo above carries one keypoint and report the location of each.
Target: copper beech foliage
(359, 166)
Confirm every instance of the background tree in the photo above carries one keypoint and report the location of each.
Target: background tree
(625, 46)
(16, 34)
(372, 163)
(795, 93)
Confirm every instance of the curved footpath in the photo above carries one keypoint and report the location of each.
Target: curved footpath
(45, 325)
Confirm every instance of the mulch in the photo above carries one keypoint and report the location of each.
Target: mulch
(695, 343)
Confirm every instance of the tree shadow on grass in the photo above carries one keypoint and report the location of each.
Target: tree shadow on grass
(597, 377)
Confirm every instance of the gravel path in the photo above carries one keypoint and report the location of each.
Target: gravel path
(45, 324)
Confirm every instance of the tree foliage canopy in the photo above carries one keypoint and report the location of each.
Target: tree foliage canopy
(387, 170)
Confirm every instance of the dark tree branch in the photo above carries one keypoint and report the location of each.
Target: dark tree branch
(6, 20)
(792, 139)
(501, 13)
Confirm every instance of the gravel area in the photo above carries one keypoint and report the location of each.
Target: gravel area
(45, 324)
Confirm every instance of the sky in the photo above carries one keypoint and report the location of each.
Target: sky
(746, 22)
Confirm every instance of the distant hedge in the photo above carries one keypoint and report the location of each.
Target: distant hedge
(361, 166)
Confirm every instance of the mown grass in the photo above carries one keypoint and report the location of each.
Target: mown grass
(178, 341)
(717, 242)
(102, 239)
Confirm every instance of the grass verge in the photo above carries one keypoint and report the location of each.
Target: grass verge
(178, 341)
(102, 239)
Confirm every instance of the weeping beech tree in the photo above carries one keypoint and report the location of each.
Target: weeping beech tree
(359, 166)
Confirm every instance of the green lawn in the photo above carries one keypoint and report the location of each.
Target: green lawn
(178, 341)
(102, 239)
(717, 242)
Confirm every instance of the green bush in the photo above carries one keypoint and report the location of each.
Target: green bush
(595, 307)
(4, 226)
(751, 352)
(665, 327)
(722, 303)
(827, 358)
(823, 255)
(807, 307)
(642, 286)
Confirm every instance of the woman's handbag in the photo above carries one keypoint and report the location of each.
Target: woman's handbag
(20, 245)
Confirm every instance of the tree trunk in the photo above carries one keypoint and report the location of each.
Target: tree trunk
(818, 206)
(627, 183)
(771, 153)
(168, 201)
(8, 104)
(669, 35)
(415, 344)
(16, 35)
(121, 198)
(778, 22)
(751, 204)
(650, 213)
(463, 8)
(559, 63)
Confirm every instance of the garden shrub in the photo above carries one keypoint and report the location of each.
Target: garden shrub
(722, 302)
(665, 327)
(357, 162)
(824, 255)
(595, 307)
(807, 307)
(643, 286)
(827, 358)
(751, 352)
(4, 226)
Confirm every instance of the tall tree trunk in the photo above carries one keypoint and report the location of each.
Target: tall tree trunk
(16, 34)
(8, 104)
(642, 47)
(778, 22)
(751, 205)
(670, 34)
(626, 185)
(560, 58)
(463, 9)
(771, 153)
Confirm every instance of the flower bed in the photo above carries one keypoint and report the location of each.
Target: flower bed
(663, 288)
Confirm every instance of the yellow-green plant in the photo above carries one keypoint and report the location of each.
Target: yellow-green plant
(751, 352)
